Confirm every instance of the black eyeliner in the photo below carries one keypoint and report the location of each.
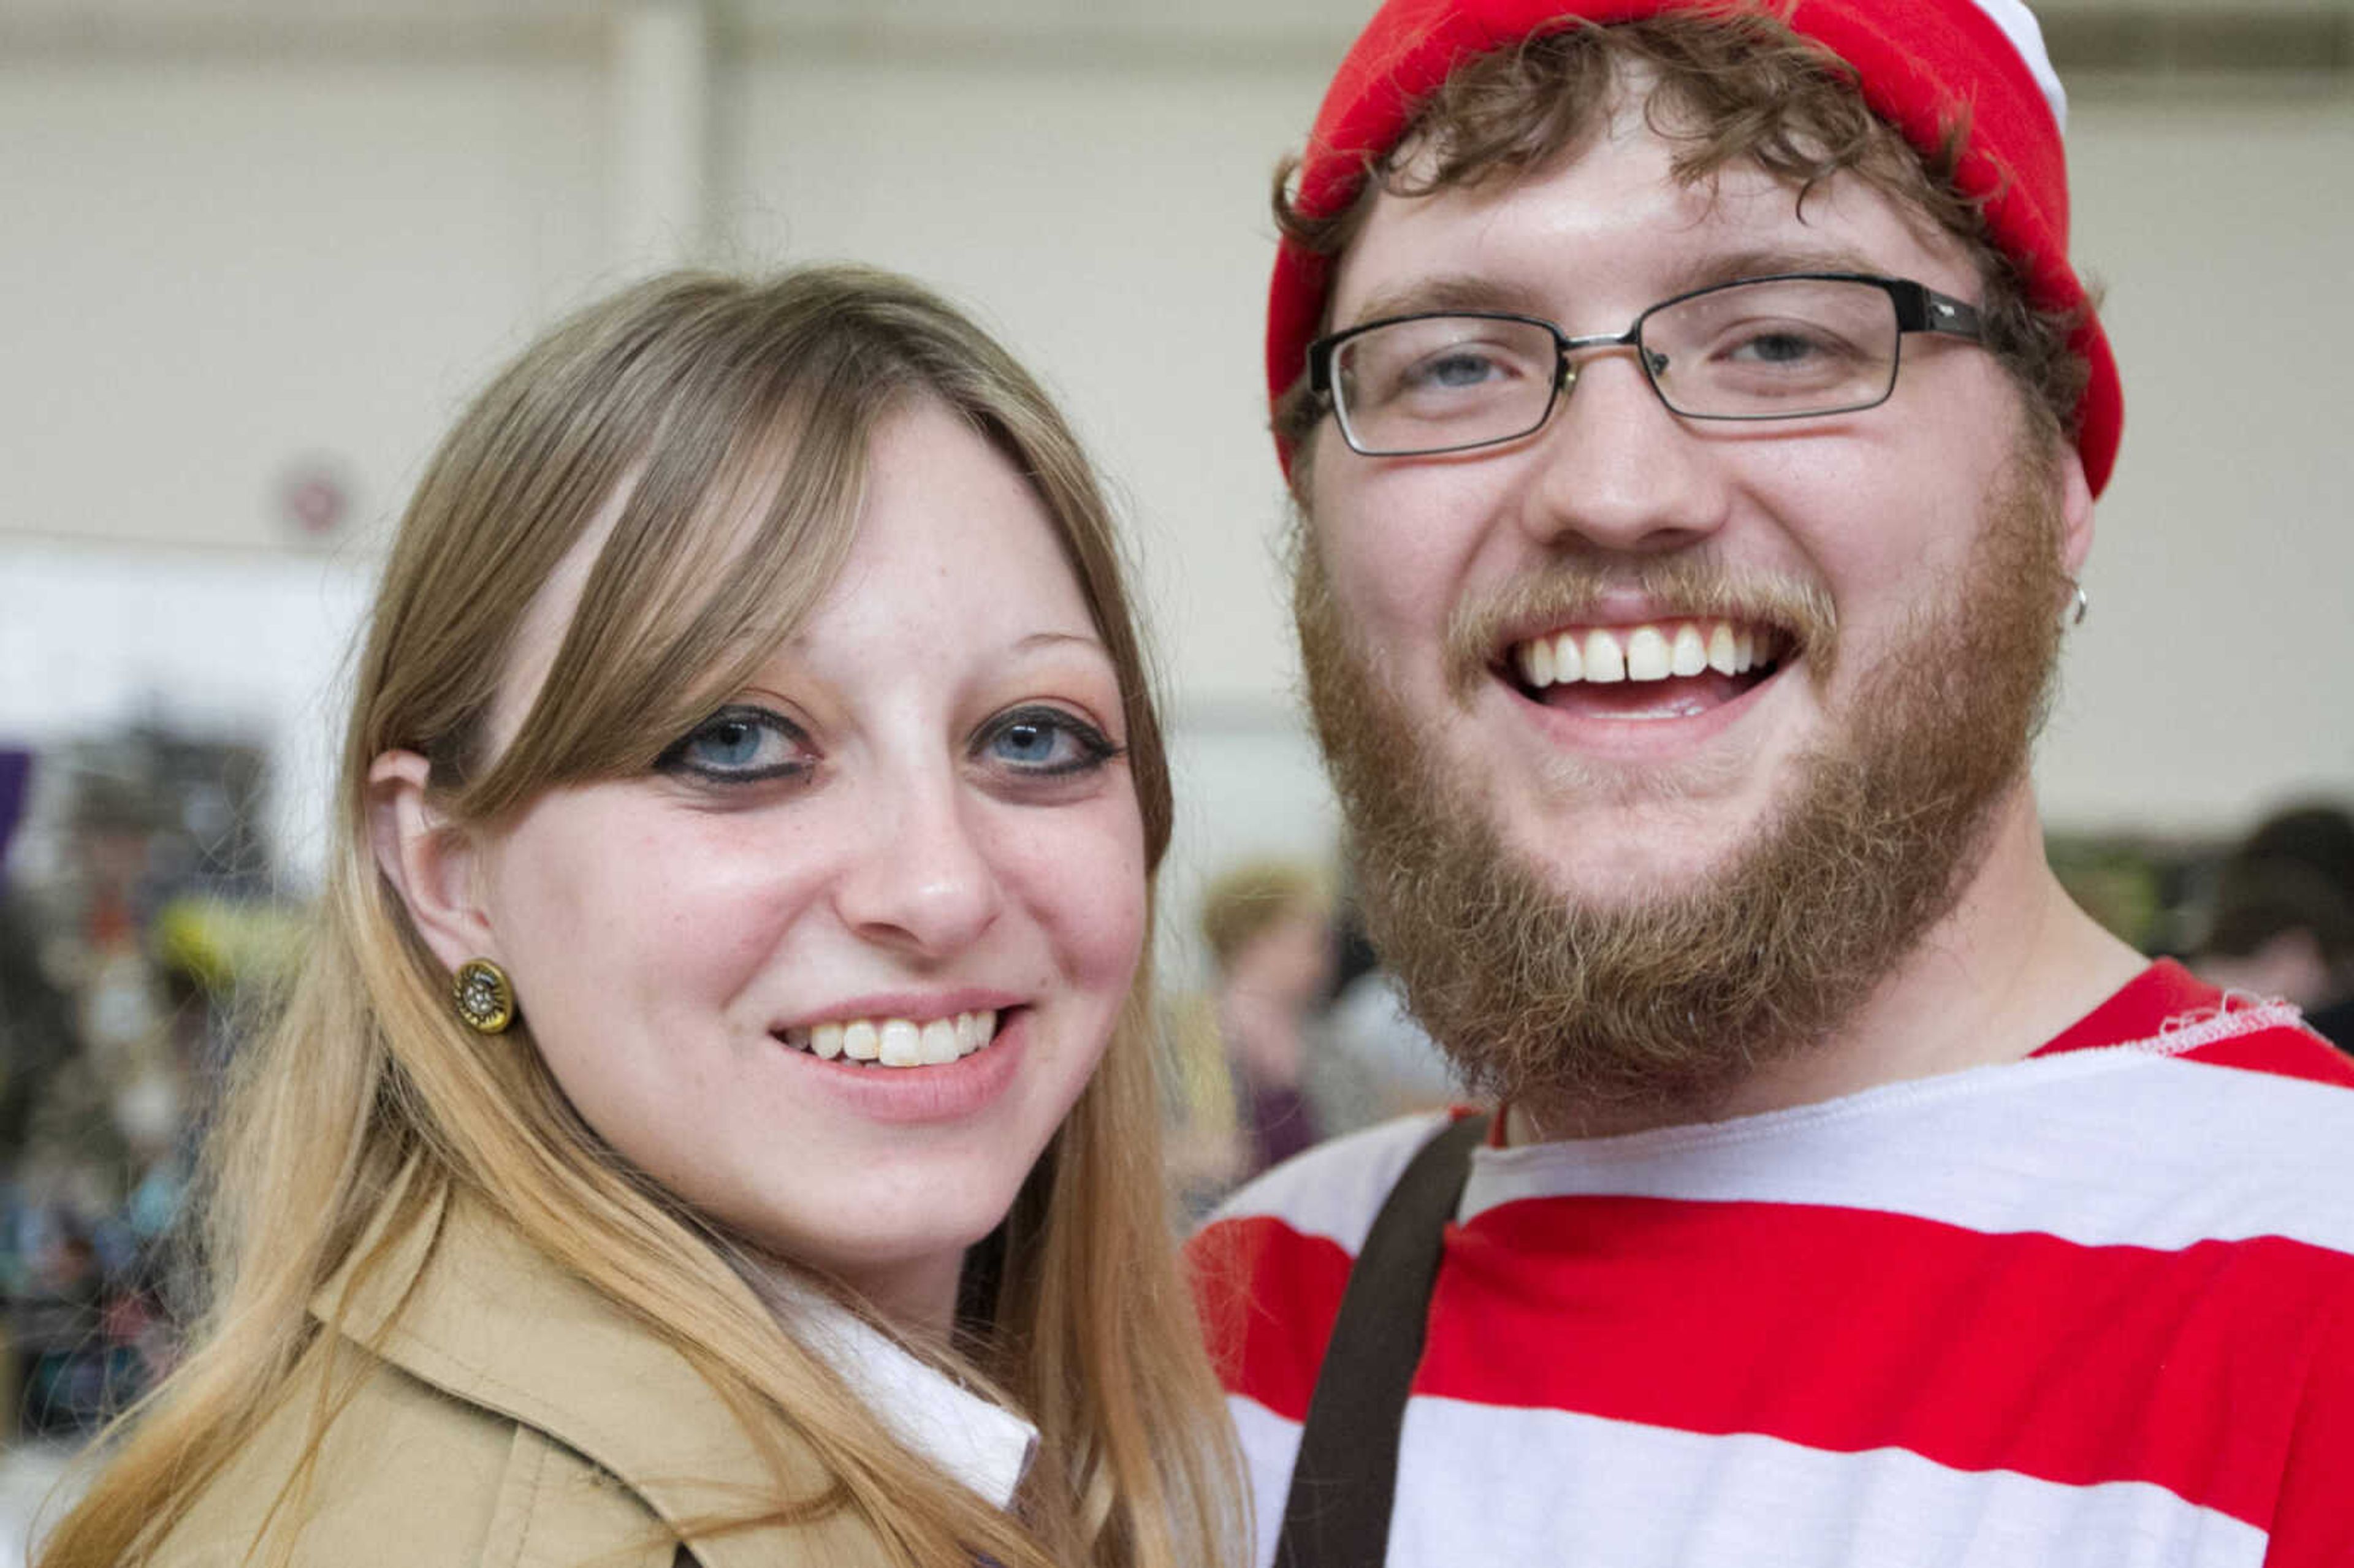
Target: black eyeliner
(674, 760)
(1096, 747)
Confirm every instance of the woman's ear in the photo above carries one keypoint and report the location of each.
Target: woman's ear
(432, 863)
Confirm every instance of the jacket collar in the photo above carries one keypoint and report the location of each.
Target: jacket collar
(462, 1302)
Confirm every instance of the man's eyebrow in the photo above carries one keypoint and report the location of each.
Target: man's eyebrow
(1728, 267)
(1473, 292)
(1449, 292)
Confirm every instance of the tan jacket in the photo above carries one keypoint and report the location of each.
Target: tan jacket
(513, 1418)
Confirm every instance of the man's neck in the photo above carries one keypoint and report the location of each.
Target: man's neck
(2011, 966)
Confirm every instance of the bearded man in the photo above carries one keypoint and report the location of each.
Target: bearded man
(1695, 421)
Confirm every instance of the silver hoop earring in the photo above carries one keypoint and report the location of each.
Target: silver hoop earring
(2076, 616)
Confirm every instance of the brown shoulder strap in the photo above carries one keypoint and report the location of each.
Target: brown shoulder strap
(1338, 1515)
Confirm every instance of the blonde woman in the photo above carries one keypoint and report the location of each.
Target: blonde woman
(716, 1126)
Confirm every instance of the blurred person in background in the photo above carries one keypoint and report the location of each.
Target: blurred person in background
(2283, 925)
(1695, 423)
(1258, 1072)
(715, 1121)
(1268, 928)
(1369, 1023)
(1243, 1093)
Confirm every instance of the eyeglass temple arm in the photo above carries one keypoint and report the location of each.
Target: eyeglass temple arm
(1923, 309)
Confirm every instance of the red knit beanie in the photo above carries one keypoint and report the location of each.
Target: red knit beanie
(1924, 66)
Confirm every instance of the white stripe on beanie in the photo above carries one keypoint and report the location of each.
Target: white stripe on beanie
(2018, 25)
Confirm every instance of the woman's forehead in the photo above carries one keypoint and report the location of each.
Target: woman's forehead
(953, 547)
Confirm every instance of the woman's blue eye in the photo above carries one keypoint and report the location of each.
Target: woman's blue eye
(732, 743)
(1046, 741)
(1033, 744)
(738, 744)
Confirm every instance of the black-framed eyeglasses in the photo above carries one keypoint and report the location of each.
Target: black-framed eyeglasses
(1793, 347)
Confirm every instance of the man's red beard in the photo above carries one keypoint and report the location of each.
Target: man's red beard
(1633, 1012)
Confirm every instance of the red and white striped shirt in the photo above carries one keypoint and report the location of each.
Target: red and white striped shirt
(2093, 1309)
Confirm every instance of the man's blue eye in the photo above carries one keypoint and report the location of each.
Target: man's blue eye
(1780, 348)
(1459, 370)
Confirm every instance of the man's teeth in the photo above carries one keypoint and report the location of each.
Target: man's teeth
(1648, 653)
(897, 1041)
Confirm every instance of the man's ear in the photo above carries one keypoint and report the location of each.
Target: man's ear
(2075, 513)
(431, 863)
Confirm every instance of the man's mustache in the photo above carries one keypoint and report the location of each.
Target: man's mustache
(1688, 587)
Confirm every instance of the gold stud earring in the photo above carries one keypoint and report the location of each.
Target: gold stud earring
(483, 996)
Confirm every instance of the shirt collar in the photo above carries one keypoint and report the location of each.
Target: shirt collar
(969, 1437)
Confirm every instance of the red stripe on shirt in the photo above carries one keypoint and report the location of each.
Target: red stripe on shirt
(2313, 1518)
(2138, 1009)
(2284, 1053)
(1268, 1296)
(2166, 994)
(2076, 1364)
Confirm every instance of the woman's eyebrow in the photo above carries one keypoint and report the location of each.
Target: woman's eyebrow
(1050, 639)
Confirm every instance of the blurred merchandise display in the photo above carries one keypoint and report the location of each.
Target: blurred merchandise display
(130, 944)
(2282, 918)
(2180, 895)
(2147, 890)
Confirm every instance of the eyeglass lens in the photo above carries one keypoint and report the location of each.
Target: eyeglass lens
(1777, 348)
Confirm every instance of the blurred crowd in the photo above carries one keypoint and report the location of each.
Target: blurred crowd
(1299, 1036)
(148, 923)
(2281, 922)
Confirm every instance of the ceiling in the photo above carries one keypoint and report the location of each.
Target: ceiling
(2156, 38)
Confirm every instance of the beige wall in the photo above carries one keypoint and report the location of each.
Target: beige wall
(216, 266)
(2211, 673)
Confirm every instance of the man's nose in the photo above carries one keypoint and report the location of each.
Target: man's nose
(1615, 470)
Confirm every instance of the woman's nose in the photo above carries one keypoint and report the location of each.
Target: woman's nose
(921, 881)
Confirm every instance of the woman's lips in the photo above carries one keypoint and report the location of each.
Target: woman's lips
(961, 1087)
(896, 1042)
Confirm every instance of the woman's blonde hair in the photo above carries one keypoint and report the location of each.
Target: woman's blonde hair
(700, 401)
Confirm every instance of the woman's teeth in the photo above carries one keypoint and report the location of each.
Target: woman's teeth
(896, 1042)
(1653, 651)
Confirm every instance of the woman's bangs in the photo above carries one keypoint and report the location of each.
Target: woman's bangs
(726, 543)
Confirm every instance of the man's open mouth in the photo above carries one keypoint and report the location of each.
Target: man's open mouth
(1650, 670)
